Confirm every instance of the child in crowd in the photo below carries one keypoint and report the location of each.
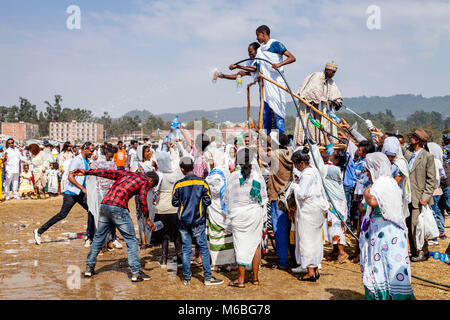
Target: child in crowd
(52, 176)
(26, 182)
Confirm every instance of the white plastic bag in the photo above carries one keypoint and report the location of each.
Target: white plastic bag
(426, 227)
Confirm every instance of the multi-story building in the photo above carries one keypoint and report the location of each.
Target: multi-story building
(76, 131)
(20, 131)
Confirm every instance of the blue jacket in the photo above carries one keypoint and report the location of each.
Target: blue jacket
(192, 196)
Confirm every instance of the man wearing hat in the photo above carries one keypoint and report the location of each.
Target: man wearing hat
(423, 182)
(317, 89)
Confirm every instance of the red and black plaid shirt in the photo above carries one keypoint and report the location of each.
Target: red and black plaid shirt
(127, 185)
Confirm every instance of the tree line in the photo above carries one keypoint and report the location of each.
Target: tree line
(433, 122)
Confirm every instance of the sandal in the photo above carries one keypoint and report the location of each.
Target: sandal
(236, 284)
(310, 279)
(343, 259)
(254, 282)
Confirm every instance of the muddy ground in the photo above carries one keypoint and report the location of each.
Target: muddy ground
(48, 271)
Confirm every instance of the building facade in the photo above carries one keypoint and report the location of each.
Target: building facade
(76, 131)
(20, 130)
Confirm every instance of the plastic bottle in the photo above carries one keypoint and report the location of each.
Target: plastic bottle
(215, 77)
(369, 124)
(334, 116)
(165, 142)
(239, 84)
(436, 255)
(173, 128)
(314, 122)
(158, 224)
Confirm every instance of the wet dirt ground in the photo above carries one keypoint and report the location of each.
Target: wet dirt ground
(49, 271)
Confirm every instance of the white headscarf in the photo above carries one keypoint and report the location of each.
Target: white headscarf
(146, 165)
(385, 189)
(164, 162)
(436, 151)
(392, 147)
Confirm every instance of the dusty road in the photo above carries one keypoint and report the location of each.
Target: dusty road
(48, 271)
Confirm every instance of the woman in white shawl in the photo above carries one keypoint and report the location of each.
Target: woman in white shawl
(400, 170)
(164, 211)
(218, 229)
(385, 268)
(438, 214)
(245, 199)
(144, 164)
(312, 206)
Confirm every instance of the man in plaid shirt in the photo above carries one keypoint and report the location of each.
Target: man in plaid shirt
(114, 212)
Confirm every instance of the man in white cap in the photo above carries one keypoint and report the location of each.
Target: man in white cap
(318, 89)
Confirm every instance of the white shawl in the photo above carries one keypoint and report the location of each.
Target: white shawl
(385, 189)
(274, 96)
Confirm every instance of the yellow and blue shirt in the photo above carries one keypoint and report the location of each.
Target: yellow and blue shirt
(192, 196)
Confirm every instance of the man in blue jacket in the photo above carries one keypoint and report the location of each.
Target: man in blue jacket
(192, 196)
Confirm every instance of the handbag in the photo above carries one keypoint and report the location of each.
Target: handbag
(286, 201)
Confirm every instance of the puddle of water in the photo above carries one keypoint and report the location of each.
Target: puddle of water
(10, 251)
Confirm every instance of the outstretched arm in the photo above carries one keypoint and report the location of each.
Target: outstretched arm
(233, 76)
(249, 69)
(290, 59)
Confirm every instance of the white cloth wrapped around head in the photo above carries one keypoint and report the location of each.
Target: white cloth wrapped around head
(391, 147)
(164, 162)
(378, 165)
(385, 189)
(436, 151)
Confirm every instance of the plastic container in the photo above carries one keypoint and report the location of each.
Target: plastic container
(238, 84)
(334, 116)
(215, 77)
(314, 122)
(369, 124)
(158, 224)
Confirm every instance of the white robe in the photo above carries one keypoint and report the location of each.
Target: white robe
(246, 215)
(274, 96)
(310, 217)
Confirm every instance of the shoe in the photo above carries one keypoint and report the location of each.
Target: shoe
(212, 282)
(87, 243)
(117, 244)
(277, 266)
(37, 237)
(141, 276)
(310, 279)
(163, 262)
(186, 282)
(442, 236)
(433, 243)
(317, 275)
(89, 272)
(299, 269)
(421, 257)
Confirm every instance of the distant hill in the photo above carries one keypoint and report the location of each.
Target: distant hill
(401, 105)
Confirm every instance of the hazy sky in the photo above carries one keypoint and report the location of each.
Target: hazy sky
(159, 55)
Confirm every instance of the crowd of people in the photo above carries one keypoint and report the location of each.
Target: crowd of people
(219, 203)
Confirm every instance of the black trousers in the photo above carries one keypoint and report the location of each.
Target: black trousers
(69, 201)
